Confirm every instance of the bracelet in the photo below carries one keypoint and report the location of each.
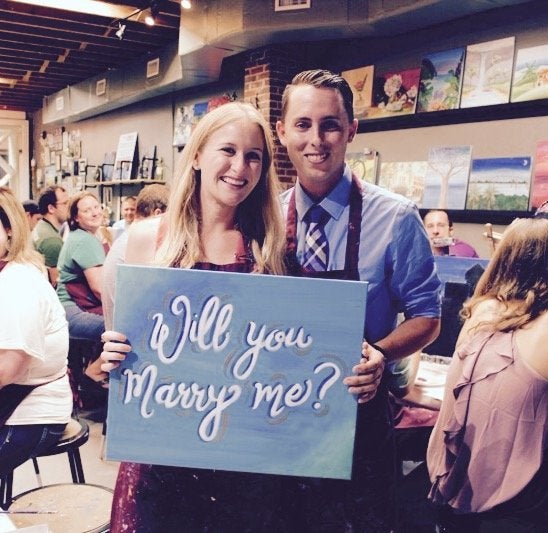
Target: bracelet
(382, 350)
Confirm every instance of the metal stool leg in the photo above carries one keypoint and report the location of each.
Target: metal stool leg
(6, 489)
(37, 471)
(75, 463)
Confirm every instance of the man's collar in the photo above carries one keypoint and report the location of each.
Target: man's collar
(51, 224)
(334, 203)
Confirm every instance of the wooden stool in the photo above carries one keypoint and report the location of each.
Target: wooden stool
(76, 433)
(64, 507)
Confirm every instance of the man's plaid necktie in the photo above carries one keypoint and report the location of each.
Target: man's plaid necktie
(316, 253)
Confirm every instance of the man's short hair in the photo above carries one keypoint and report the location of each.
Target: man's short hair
(152, 197)
(48, 197)
(31, 207)
(322, 79)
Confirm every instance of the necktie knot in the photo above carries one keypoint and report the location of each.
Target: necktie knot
(317, 215)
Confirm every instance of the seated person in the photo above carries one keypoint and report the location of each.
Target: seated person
(35, 395)
(46, 236)
(80, 269)
(128, 216)
(439, 228)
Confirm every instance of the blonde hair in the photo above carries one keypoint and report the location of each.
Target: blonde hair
(258, 216)
(12, 216)
(516, 276)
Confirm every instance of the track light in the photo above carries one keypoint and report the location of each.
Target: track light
(186, 4)
(120, 31)
(150, 17)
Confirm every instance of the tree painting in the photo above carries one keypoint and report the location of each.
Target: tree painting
(447, 177)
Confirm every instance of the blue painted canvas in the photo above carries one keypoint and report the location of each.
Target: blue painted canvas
(236, 371)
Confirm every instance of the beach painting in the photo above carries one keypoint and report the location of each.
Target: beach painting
(500, 184)
(361, 83)
(488, 73)
(441, 80)
(530, 74)
(447, 177)
(404, 177)
(539, 187)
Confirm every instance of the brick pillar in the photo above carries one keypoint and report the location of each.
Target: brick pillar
(267, 72)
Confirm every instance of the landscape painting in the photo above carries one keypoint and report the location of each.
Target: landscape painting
(395, 93)
(531, 74)
(488, 73)
(447, 177)
(539, 187)
(440, 80)
(405, 178)
(499, 183)
(361, 83)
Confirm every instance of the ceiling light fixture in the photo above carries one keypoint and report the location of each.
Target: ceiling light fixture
(150, 17)
(186, 4)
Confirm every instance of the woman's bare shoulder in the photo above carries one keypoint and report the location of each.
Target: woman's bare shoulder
(142, 237)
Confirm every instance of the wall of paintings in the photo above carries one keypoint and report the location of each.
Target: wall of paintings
(436, 132)
(482, 170)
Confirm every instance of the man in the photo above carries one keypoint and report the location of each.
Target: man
(151, 202)
(33, 213)
(127, 211)
(53, 205)
(439, 228)
(373, 235)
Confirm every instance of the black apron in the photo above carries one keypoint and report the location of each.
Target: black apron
(366, 503)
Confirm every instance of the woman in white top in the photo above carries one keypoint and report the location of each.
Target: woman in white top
(35, 395)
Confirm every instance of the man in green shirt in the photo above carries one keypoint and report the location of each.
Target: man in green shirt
(53, 205)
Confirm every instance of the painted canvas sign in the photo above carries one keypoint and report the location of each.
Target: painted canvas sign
(235, 371)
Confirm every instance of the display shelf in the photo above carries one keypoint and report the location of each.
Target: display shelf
(532, 108)
(111, 183)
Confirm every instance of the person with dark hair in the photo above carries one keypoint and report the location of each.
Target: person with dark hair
(487, 455)
(46, 237)
(343, 228)
(32, 212)
(80, 269)
(439, 228)
(35, 395)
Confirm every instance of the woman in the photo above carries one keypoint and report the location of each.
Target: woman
(487, 452)
(223, 215)
(80, 268)
(35, 396)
